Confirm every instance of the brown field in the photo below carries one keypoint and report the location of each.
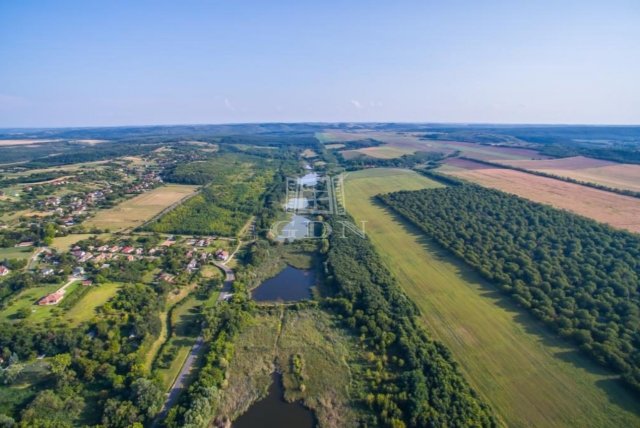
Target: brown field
(398, 144)
(135, 211)
(619, 211)
(611, 174)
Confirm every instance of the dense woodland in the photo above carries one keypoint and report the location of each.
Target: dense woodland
(581, 278)
(234, 194)
(404, 161)
(95, 370)
(416, 382)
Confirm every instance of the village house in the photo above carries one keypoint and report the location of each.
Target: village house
(193, 265)
(52, 299)
(4, 271)
(78, 271)
(166, 277)
(128, 250)
(46, 272)
(222, 255)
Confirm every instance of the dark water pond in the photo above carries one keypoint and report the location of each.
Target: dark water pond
(273, 412)
(288, 286)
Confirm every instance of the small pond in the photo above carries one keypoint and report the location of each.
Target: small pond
(274, 412)
(289, 285)
(297, 228)
(308, 180)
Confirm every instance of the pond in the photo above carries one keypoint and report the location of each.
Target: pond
(290, 285)
(274, 412)
(297, 228)
(308, 180)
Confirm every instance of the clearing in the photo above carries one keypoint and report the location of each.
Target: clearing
(529, 377)
(605, 173)
(85, 309)
(139, 209)
(616, 210)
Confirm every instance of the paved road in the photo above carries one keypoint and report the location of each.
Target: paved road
(227, 286)
(181, 381)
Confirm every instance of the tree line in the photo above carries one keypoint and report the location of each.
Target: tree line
(580, 277)
(413, 380)
(625, 192)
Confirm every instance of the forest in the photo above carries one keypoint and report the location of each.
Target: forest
(416, 382)
(234, 193)
(95, 371)
(581, 278)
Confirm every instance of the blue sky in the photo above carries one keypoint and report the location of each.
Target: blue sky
(94, 63)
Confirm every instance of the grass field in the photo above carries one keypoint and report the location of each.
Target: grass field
(606, 207)
(527, 376)
(82, 310)
(15, 253)
(64, 243)
(272, 340)
(185, 330)
(85, 308)
(135, 211)
(611, 174)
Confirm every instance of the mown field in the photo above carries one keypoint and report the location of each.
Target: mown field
(606, 207)
(80, 311)
(135, 211)
(15, 253)
(605, 173)
(529, 377)
(270, 342)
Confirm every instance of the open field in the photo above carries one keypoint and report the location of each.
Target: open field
(85, 308)
(529, 377)
(606, 173)
(135, 211)
(398, 144)
(15, 253)
(64, 243)
(24, 142)
(616, 210)
(270, 341)
(183, 307)
(39, 314)
(339, 136)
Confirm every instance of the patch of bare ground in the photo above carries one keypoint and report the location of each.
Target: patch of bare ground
(622, 212)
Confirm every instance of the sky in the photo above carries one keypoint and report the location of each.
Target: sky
(108, 63)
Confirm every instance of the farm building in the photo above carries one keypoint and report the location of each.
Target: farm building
(4, 270)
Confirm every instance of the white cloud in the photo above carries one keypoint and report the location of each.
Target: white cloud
(356, 104)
